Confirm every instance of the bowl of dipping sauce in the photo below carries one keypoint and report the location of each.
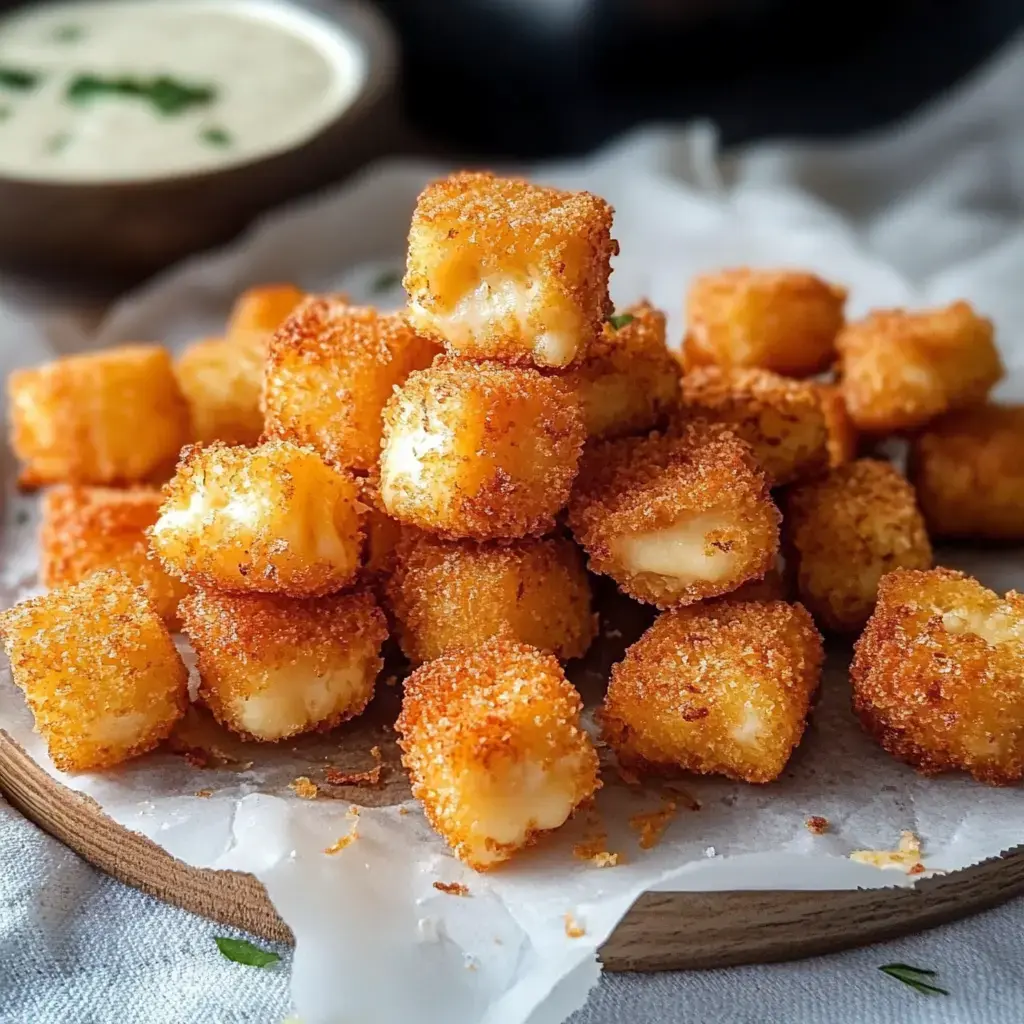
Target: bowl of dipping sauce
(136, 132)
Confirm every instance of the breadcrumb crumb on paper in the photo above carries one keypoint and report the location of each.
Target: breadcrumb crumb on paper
(817, 824)
(452, 888)
(651, 825)
(573, 929)
(304, 787)
(340, 844)
(906, 857)
(371, 777)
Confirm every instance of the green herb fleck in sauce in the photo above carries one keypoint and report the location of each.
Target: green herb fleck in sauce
(620, 320)
(18, 79)
(215, 137)
(168, 95)
(68, 33)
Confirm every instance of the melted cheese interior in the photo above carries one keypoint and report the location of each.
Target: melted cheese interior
(681, 551)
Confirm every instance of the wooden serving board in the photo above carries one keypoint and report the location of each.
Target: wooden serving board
(663, 931)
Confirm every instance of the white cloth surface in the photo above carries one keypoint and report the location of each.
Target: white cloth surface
(79, 948)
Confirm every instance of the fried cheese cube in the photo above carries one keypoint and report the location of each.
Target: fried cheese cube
(721, 688)
(90, 528)
(628, 381)
(785, 321)
(330, 369)
(492, 741)
(782, 420)
(275, 519)
(114, 416)
(448, 594)
(99, 671)
(900, 369)
(675, 518)
(271, 667)
(221, 381)
(844, 532)
(259, 312)
(968, 470)
(502, 269)
(937, 675)
(479, 450)
(843, 440)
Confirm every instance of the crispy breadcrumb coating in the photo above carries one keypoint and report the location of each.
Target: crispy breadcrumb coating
(89, 528)
(937, 676)
(901, 369)
(628, 381)
(844, 532)
(115, 416)
(843, 440)
(492, 741)
(273, 519)
(272, 667)
(719, 688)
(479, 450)
(330, 369)
(221, 381)
(502, 269)
(782, 420)
(99, 670)
(968, 469)
(675, 518)
(261, 310)
(780, 320)
(449, 594)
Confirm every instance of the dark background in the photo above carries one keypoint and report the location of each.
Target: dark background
(527, 78)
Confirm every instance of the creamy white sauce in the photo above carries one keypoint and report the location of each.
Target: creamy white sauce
(278, 76)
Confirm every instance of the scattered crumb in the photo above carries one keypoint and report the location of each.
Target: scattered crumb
(710, 851)
(595, 850)
(452, 888)
(573, 929)
(353, 812)
(471, 966)
(817, 824)
(304, 787)
(604, 859)
(403, 810)
(906, 856)
(675, 793)
(340, 844)
(652, 824)
(370, 777)
(204, 793)
(628, 777)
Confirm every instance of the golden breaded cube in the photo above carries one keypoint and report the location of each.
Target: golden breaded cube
(780, 320)
(492, 741)
(272, 667)
(89, 528)
(115, 416)
(259, 311)
(447, 594)
(99, 670)
(330, 369)
(844, 532)
(503, 269)
(675, 518)
(968, 469)
(222, 381)
(843, 440)
(275, 519)
(628, 381)
(479, 450)
(721, 688)
(937, 676)
(901, 369)
(782, 420)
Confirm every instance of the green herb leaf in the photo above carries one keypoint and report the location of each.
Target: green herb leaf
(385, 281)
(914, 978)
(68, 33)
(18, 79)
(241, 951)
(215, 137)
(169, 95)
(620, 320)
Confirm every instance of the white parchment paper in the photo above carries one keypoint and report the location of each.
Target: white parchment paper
(928, 213)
